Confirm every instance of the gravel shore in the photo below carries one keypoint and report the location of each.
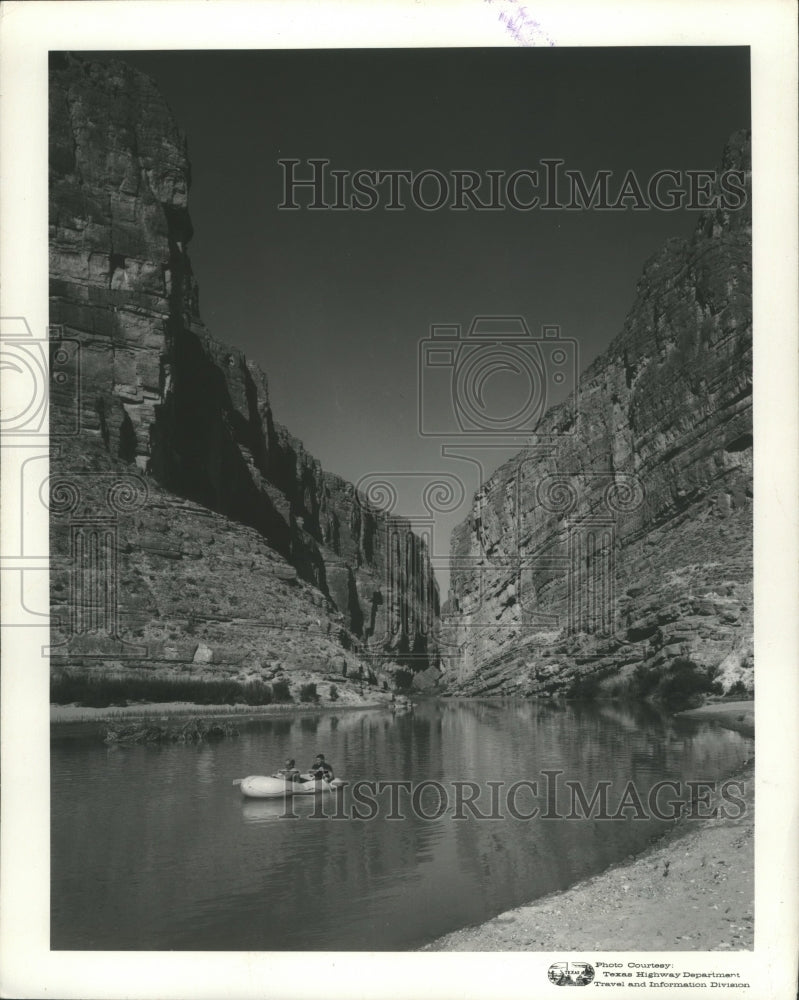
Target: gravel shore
(164, 711)
(694, 892)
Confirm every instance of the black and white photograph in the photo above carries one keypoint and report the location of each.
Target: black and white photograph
(387, 504)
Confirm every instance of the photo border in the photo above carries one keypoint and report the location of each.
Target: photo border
(28, 31)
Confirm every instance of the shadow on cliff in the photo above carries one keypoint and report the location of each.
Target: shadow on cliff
(195, 453)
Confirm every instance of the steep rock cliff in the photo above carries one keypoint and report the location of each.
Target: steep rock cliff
(621, 538)
(187, 419)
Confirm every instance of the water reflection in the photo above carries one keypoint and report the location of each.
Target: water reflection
(153, 848)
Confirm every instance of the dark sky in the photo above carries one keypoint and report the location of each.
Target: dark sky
(333, 304)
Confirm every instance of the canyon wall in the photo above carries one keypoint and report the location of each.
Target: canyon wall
(619, 543)
(232, 547)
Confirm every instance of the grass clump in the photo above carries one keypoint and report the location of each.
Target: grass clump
(192, 731)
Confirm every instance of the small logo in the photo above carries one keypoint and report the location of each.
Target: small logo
(571, 973)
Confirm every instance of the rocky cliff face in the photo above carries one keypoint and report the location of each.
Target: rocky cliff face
(620, 541)
(237, 514)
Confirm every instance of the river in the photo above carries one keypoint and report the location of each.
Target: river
(152, 847)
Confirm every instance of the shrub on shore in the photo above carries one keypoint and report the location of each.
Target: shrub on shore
(102, 692)
(281, 691)
(308, 692)
(683, 684)
(258, 693)
(585, 687)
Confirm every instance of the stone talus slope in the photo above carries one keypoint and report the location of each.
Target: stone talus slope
(623, 535)
(161, 398)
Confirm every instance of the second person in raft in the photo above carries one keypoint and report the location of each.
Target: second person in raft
(320, 768)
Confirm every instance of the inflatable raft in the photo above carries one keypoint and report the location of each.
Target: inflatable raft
(260, 786)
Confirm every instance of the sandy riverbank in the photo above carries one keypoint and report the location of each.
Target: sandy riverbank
(737, 715)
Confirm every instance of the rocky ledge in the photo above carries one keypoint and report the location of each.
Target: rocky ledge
(191, 535)
(615, 552)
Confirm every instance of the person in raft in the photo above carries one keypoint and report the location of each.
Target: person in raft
(320, 768)
(289, 772)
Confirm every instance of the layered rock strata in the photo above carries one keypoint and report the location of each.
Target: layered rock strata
(242, 533)
(622, 537)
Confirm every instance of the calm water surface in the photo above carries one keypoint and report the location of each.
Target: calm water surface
(153, 848)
